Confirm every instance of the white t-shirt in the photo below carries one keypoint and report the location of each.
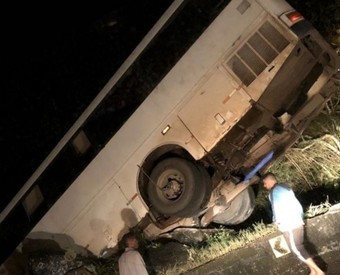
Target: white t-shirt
(287, 210)
(131, 263)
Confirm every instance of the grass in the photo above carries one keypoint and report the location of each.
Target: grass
(224, 241)
(312, 162)
(218, 245)
(314, 159)
(316, 210)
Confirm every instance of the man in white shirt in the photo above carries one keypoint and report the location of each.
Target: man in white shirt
(131, 262)
(288, 215)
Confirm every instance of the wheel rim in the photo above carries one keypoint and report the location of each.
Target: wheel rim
(170, 185)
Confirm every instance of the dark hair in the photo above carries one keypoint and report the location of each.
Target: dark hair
(129, 236)
(268, 174)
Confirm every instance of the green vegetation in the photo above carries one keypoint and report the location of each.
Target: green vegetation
(314, 160)
(216, 245)
(225, 241)
(311, 163)
(316, 210)
(219, 244)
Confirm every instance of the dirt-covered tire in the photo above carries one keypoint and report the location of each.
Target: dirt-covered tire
(178, 187)
(206, 186)
(239, 210)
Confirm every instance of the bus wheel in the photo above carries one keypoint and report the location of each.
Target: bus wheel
(239, 210)
(178, 187)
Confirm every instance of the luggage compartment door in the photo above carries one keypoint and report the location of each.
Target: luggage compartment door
(217, 105)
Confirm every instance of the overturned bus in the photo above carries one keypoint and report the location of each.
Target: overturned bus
(184, 143)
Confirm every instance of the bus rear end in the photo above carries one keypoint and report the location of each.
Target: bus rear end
(258, 97)
(288, 71)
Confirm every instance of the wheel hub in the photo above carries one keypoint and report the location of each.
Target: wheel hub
(173, 187)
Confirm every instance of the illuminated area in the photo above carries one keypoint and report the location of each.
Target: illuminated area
(294, 16)
(179, 139)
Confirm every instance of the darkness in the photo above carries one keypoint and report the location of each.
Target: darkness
(56, 58)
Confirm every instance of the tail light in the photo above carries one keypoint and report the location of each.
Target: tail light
(291, 17)
(294, 16)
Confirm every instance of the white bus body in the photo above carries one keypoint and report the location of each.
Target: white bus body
(227, 102)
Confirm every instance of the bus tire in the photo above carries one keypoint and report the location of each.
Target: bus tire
(178, 187)
(239, 210)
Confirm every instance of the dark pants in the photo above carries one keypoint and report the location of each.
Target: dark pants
(295, 240)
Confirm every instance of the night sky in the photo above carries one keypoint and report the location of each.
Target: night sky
(55, 59)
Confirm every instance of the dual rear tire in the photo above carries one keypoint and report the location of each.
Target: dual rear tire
(239, 210)
(181, 188)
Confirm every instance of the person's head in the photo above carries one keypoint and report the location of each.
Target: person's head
(131, 240)
(269, 180)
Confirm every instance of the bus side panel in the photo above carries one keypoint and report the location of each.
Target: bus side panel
(89, 183)
(75, 206)
(221, 103)
(98, 225)
(106, 220)
(177, 135)
(177, 87)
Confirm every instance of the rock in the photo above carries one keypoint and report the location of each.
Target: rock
(79, 271)
(44, 264)
(167, 255)
(191, 235)
(57, 255)
(31, 246)
(46, 241)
